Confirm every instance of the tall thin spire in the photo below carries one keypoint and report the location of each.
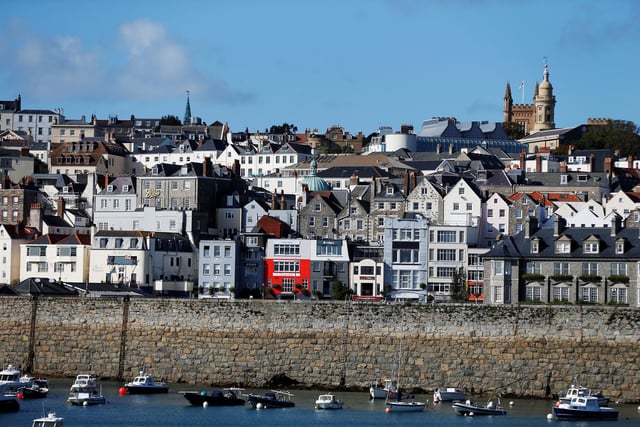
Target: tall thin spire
(187, 112)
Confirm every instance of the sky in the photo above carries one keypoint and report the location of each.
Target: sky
(358, 64)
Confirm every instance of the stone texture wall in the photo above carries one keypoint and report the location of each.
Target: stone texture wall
(528, 351)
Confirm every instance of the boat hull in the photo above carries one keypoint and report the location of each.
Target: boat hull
(199, 399)
(472, 410)
(32, 393)
(9, 405)
(405, 406)
(328, 405)
(146, 389)
(448, 396)
(266, 403)
(581, 414)
(83, 401)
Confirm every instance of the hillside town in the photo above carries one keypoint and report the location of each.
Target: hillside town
(449, 211)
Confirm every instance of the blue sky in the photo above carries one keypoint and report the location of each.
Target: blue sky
(359, 64)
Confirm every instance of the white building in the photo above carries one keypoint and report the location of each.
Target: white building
(218, 267)
(63, 258)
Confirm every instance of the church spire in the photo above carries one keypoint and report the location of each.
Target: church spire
(187, 112)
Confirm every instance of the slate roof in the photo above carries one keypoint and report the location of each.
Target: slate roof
(43, 286)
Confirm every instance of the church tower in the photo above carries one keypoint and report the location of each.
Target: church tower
(187, 112)
(508, 104)
(544, 102)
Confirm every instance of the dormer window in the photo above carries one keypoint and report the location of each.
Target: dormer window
(65, 189)
(389, 190)
(535, 246)
(154, 170)
(563, 247)
(564, 179)
(582, 178)
(591, 247)
(109, 188)
(620, 247)
(125, 188)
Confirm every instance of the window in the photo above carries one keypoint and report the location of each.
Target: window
(618, 294)
(456, 206)
(216, 251)
(591, 248)
(501, 213)
(534, 293)
(590, 268)
(534, 267)
(618, 269)
(312, 221)
(446, 236)
(589, 294)
(119, 243)
(518, 213)
(206, 269)
(498, 268)
(36, 250)
(317, 207)
(490, 213)
(561, 268)
(563, 247)
(446, 255)
(561, 293)
(227, 251)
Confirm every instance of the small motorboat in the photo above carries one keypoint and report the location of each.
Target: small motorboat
(51, 420)
(580, 391)
(37, 389)
(328, 401)
(271, 399)
(226, 397)
(404, 406)
(84, 391)
(145, 384)
(469, 408)
(448, 394)
(584, 408)
(386, 389)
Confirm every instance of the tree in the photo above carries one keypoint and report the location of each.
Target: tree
(285, 128)
(615, 135)
(170, 121)
(458, 285)
(514, 130)
(340, 291)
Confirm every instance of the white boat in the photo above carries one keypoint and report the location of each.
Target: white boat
(146, 384)
(448, 394)
(580, 391)
(84, 391)
(328, 401)
(584, 408)
(12, 378)
(8, 399)
(51, 420)
(469, 408)
(386, 389)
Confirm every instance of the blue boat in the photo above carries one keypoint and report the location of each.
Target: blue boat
(584, 408)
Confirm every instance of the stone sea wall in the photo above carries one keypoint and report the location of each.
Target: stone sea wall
(526, 351)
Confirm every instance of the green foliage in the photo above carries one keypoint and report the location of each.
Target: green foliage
(615, 135)
(340, 291)
(170, 121)
(284, 128)
(619, 278)
(514, 130)
(532, 276)
(458, 285)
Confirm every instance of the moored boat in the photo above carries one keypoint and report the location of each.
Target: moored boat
(584, 408)
(84, 391)
(271, 399)
(581, 391)
(405, 406)
(328, 401)
(227, 397)
(51, 420)
(387, 389)
(37, 389)
(12, 378)
(8, 400)
(145, 384)
(469, 408)
(448, 394)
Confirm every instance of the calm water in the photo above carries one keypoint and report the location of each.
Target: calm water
(172, 409)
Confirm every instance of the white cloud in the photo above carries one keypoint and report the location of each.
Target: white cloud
(143, 64)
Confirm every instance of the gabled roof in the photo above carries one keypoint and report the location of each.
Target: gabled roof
(43, 286)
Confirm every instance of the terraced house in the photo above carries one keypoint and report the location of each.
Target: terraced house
(569, 265)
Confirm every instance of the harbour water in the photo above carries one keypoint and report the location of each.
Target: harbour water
(172, 409)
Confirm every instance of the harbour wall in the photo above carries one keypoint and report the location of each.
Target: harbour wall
(523, 351)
